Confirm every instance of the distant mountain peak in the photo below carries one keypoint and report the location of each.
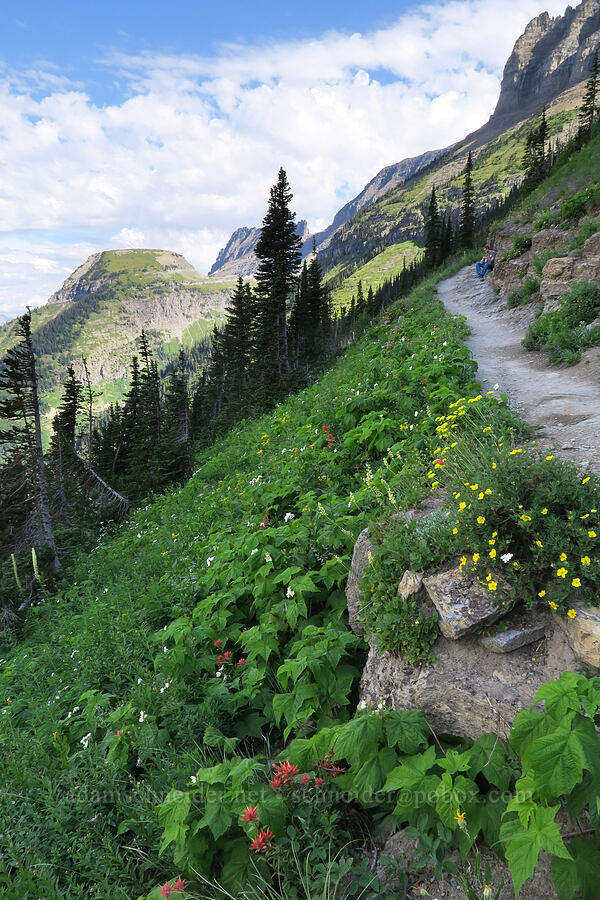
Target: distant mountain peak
(237, 256)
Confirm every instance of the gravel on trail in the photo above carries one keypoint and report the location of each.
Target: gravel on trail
(564, 401)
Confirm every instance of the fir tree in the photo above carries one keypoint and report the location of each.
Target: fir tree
(278, 252)
(22, 441)
(467, 207)
(587, 113)
(432, 233)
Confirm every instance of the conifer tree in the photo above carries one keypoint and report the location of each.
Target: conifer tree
(432, 233)
(19, 403)
(587, 113)
(278, 252)
(467, 207)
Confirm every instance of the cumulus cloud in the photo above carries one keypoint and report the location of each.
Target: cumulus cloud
(190, 151)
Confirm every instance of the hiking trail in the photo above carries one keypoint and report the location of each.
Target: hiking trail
(566, 402)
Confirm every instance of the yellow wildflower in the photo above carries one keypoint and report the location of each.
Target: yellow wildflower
(563, 557)
(551, 456)
(494, 465)
(576, 582)
(481, 520)
(460, 818)
(475, 558)
(455, 531)
(492, 554)
(585, 480)
(480, 495)
(462, 505)
(463, 562)
(562, 572)
(591, 534)
(492, 585)
(488, 491)
(552, 605)
(544, 511)
(474, 487)
(525, 518)
(541, 593)
(585, 560)
(571, 613)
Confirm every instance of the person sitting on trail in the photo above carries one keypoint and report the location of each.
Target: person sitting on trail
(486, 263)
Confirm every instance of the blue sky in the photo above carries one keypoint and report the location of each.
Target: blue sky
(164, 124)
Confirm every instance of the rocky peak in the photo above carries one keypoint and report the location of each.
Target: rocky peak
(552, 55)
(237, 256)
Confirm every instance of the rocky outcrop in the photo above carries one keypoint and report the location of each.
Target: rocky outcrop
(237, 257)
(363, 552)
(551, 56)
(469, 690)
(583, 634)
(463, 604)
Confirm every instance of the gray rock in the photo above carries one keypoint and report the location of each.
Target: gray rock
(463, 603)
(507, 641)
(583, 634)
(360, 560)
(460, 693)
(411, 583)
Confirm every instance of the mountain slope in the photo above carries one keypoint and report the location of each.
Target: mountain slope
(102, 307)
(238, 258)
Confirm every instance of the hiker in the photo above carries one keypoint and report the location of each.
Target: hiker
(486, 263)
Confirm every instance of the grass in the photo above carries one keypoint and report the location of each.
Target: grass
(377, 270)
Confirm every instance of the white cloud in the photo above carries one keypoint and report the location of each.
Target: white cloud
(190, 152)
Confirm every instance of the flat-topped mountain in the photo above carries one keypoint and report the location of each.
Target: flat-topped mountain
(105, 303)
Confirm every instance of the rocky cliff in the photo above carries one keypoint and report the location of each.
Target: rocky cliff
(237, 256)
(551, 56)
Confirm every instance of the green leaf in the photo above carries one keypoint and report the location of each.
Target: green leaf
(562, 695)
(234, 875)
(172, 814)
(523, 803)
(454, 761)
(523, 845)
(272, 810)
(564, 877)
(359, 738)
(407, 730)
(216, 817)
(452, 795)
(556, 762)
(371, 776)
(488, 756)
(410, 774)
(528, 725)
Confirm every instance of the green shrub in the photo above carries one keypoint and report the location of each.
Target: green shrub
(545, 220)
(562, 333)
(522, 295)
(540, 259)
(521, 243)
(589, 227)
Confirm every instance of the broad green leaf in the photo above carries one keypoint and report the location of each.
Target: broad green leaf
(359, 739)
(556, 762)
(216, 817)
(214, 774)
(241, 772)
(586, 856)
(589, 742)
(172, 814)
(564, 877)
(488, 756)
(234, 876)
(411, 772)
(523, 845)
(523, 803)
(407, 730)
(528, 725)
(562, 695)
(454, 761)
(453, 794)
(371, 776)
(272, 810)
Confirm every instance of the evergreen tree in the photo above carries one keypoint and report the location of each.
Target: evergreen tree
(278, 252)
(587, 113)
(432, 233)
(22, 441)
(236, 338)
(62, 443)
(467, 208)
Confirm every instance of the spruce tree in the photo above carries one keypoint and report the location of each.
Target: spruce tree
(467, 207)
(19, 403)
(587, 113)
(278, 252)
(432, 233)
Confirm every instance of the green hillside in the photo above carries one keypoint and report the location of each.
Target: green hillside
(184, 704)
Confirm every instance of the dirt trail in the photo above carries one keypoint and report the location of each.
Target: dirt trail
(566, 402)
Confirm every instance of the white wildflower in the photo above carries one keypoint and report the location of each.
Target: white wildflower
(85, 740)
(506, 557)
(268, 557)
(143, 716)
(288, 517)
(290, 593)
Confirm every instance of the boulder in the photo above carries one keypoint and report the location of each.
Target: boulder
(591, 248)
(466, 691)
(411, 583)
(549, 239)
(360, 560)
(557, 276)
(513, 638)
(583, 634)
(463, 604)
(508, 274)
